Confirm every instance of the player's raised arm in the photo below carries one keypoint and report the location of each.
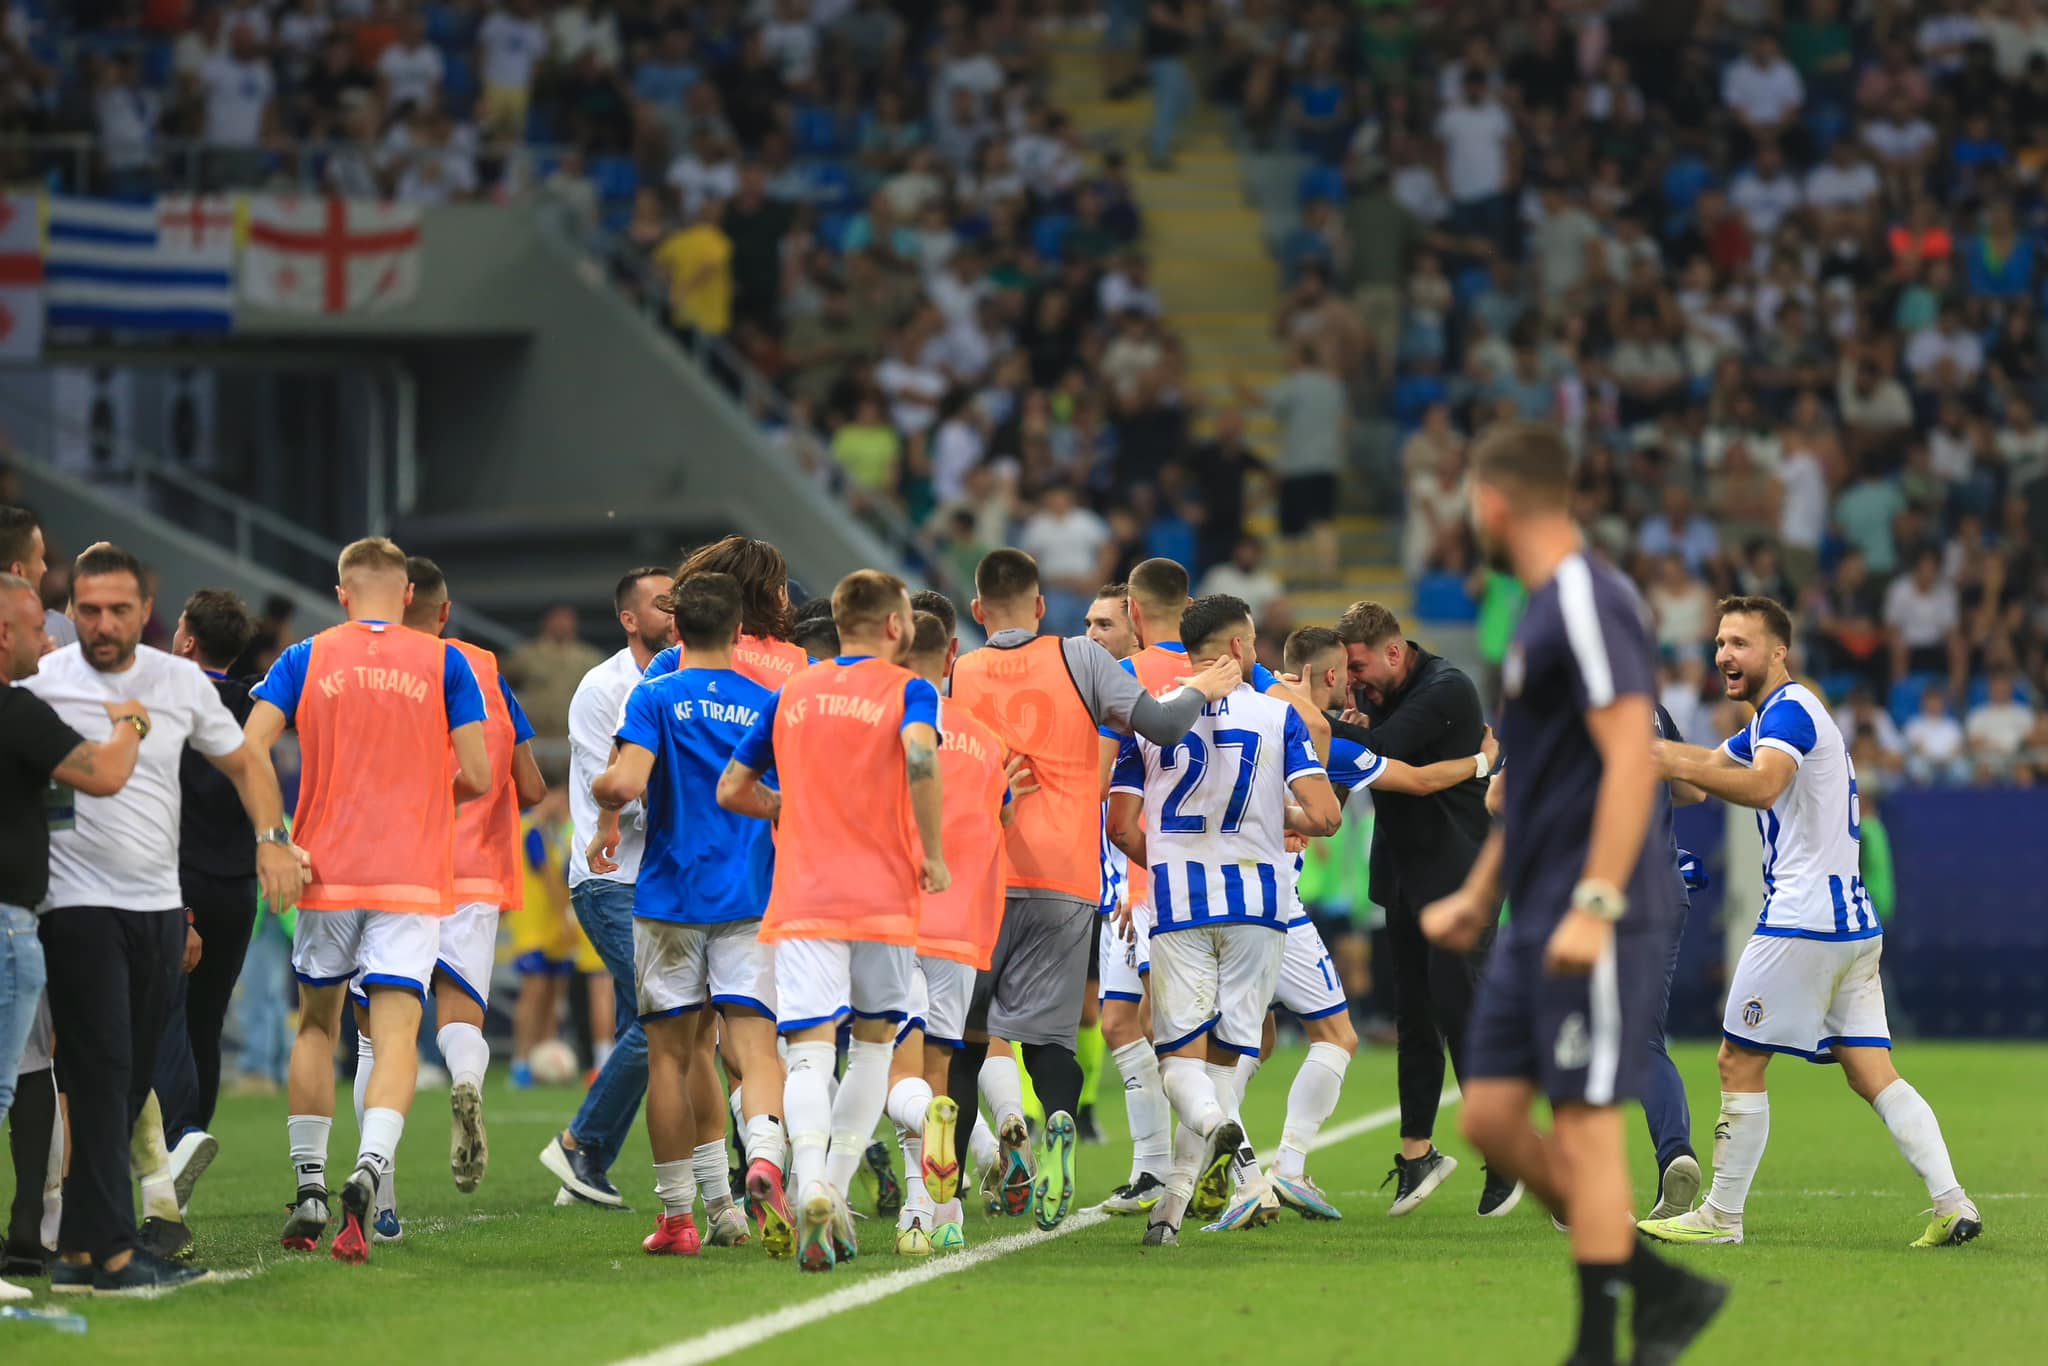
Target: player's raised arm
(1423, 779)
(740, 789)
(1119, 701)
(1722, 773)
(1315, 810)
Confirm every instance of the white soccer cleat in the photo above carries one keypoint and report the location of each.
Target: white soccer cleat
(1680, 1187)
(189, 1160)
(469, 1150)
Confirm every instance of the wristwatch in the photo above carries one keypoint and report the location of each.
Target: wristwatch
(1599, 897)
(141, 724)
(279, 835)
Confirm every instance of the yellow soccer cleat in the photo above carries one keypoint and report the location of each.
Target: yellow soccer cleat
(1694, 1226)
(1953, 1229)
(941, 1162)
(913, 1241)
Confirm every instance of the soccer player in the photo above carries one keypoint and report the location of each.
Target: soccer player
(956, 936)
(1309, 988)
(1570, 990)
(696, 915)
(376, 706)
(1216, 811)
(812, 629)
(1048, 698)
(854, 742)
(1807, 984)
(582, 1154)
(488, 883)
(1666, 1112)
(1109, 625)
(765, 651)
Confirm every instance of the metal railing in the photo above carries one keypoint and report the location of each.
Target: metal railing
(79, 163)
(631, 275)
(197, 505)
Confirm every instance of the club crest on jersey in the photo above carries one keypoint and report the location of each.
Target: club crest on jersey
(1512, 670)
(1753, 1011)
(1574, 1047)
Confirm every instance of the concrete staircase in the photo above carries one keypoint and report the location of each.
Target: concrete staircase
(1220, 288)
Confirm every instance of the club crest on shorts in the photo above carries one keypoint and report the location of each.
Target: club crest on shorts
(1512, 670)
(1753, 1011)
(1574, 1048)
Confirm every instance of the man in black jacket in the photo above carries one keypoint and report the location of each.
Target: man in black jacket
(217, 874)
(1419, 709)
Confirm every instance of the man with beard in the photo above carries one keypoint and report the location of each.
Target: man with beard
(114, 935)
(581, 1155)
(1421, 710)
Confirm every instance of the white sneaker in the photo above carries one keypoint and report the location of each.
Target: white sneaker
(12, 1293)
(1681, 1186)
(189, 1160)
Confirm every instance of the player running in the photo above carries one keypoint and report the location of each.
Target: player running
(488, 883)
(1807, 984)
(376, 707)
(1569, 992)
(696, 914)
(854, 742)
(956, 935)
(1047, 698)
(1216, 810)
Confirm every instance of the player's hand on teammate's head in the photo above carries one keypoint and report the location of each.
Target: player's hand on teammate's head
(1219, 680)
(1022, 781)
(1454, 922)
(1577, 943)
(933, 875)
(1352, 716)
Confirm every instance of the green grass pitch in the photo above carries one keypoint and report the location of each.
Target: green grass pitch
(503, 1277)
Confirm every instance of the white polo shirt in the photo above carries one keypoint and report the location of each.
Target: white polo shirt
(122, 851)
(594, 714)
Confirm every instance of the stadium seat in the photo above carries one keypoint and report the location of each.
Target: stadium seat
(1906, 693)
(1980, 690)
(459, 87)
(1049, 235)
(1441, 598)
(1320, 182)
(616, 178)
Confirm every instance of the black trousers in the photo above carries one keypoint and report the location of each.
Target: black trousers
(112, 973)
(188, 1062)
(1433, 990)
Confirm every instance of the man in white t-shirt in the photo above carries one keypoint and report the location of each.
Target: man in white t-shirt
(238, 88)
(1902, 141)
(409, 72)
(511, 44)
(581, 1155)
(1766, 194)
(911, 385)
(1946, 355)
(1921, 613)
(1846, 180)
(1998, 728)
(1481, 157)
(1936, 751)
(1762, 89)
(113, 926)
(1069, 542)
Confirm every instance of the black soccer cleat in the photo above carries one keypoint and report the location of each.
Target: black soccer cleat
(1673, 1312)
(881, 1174)
(165, 1238)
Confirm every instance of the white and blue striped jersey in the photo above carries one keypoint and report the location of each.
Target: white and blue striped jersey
(1116, 878)
(1216, 812)
(1352, 766)
(1812, 834)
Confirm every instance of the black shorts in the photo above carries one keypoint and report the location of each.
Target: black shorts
(1307, 500)
(1095, 952)
(1578, 1038)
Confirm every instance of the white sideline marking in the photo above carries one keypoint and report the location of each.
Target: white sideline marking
(737, 1337)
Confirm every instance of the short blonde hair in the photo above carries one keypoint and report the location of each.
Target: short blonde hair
(371, 555)
(865, 599)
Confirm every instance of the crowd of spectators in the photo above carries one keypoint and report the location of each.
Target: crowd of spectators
(1775, 269)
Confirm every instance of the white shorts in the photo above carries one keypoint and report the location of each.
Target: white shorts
(468, 953)
(1125, 965)
(940, 989)
(1220, 979)
(387, 948)
(1309, 988)
(1804, 996)
(819, 981)
(37, 1053)
(677, 968)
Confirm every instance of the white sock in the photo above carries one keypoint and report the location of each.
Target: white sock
(739, 1113)
(952, 1212)
(766, 1141)
(807, 1108)
(981, 1143)
(1145, 1103)
(382, 1128)
(1247, 1068)
(308, 1137)
(1192, 1091)
(467, 1053)
(151, 1160)
(1739, 1138)
(366, 1063)
(908, 1101)
(1002, 1088)
(53, 1183)
(714, 1178)
(1243, 1164)
(1189, 1148)
(1309, 1103)
(1918, 1134)
(160, 1199)
(676, 1184)
(917, 1197)
(600, 1054)
(863, 1091)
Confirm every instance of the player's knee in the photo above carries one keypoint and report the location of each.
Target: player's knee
(1740, 1068)
(1334, 1029)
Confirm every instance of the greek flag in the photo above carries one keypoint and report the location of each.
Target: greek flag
(163, 266)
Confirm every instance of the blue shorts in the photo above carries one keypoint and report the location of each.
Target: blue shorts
(1580, 1038)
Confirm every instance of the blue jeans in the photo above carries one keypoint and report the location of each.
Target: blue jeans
(21, 991)
(1173, 99)
(262, 1002)
(605, 910)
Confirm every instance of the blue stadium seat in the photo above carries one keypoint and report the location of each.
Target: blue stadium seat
(832, 230)
(616, 178)
(1837, 687)
(459, 86)
(1906, 693)
(1980, 690)
(156, 63)
(1049, 235)
(1442, 598)
(1321, 182)
(540, 125)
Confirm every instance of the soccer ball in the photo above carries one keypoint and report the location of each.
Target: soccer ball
(553, 1063)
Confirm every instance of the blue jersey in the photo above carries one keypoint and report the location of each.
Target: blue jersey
(1216, 812)
(1582, 643)
(286, 682)
(704, 865)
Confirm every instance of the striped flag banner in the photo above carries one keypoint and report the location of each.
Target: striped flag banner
(164, 266)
